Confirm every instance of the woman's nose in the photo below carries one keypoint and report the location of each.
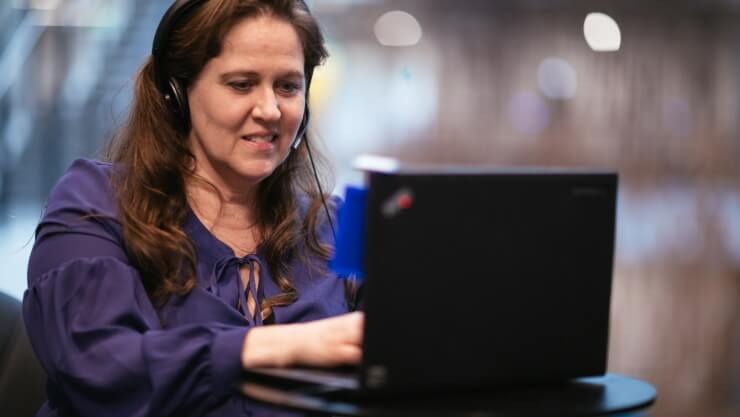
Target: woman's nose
(267, 107)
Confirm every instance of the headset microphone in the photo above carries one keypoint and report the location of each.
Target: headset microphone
(301, 130)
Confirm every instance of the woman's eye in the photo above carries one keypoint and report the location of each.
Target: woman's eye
(289, 87)
(240, 85)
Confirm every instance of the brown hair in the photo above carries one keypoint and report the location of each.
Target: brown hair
(153, 161)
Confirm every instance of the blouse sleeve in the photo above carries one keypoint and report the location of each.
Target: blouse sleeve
(95, 330)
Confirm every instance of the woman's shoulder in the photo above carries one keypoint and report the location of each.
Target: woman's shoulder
(85, 187)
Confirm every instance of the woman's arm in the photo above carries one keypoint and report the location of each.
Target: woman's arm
(328, 342)
(100, 341)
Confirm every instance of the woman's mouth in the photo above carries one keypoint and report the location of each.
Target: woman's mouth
(260, 138)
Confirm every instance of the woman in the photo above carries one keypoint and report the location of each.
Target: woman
(153, 277)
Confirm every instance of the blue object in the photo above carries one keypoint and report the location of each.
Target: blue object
(348, 258)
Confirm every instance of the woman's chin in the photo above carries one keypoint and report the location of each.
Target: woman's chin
(256, 171)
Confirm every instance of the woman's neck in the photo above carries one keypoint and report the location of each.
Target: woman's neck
(231, 219)
(222, 210)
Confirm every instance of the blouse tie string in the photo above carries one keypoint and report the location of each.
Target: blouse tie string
(219, 271)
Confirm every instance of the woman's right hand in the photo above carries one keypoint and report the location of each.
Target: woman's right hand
(324, 343)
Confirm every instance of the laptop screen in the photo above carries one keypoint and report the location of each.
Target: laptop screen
(483, 276)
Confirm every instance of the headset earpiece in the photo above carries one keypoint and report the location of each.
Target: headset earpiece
(170, 87)
(177, 99)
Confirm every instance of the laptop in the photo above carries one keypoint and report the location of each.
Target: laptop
(478, 276)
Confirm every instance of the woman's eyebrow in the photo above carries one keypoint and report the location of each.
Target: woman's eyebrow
(293, 74)
(239, 73)
(253, 74)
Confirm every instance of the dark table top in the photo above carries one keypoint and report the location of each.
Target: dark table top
(612, 394)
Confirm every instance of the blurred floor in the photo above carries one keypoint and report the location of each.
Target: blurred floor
(676, 311)
(678, 329)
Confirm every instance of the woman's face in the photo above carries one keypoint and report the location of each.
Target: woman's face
(247, 103)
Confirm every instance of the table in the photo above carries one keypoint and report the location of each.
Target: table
(612, 394)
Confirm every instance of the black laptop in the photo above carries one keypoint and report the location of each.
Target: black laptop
(479, 277)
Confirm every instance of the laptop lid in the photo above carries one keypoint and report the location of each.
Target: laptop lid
(476, 276)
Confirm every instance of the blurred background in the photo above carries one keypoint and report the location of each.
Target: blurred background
(649, 88)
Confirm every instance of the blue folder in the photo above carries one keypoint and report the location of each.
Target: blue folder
(349, 251)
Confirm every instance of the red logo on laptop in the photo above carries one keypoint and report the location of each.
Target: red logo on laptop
(402, 199)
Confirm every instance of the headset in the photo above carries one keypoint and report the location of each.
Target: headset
(175, 93)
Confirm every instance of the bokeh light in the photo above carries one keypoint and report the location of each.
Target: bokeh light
(602, 32)
(398, 28)
(557, 78)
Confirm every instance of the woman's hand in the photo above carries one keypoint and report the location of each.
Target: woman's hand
(328, 342)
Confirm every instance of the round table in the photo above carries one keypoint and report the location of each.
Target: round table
(612, 394)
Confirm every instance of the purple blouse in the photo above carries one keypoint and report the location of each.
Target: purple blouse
(107, 350)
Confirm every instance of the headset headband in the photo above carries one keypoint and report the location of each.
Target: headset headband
(171, 19)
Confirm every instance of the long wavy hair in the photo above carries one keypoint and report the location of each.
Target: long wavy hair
(153, 161)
